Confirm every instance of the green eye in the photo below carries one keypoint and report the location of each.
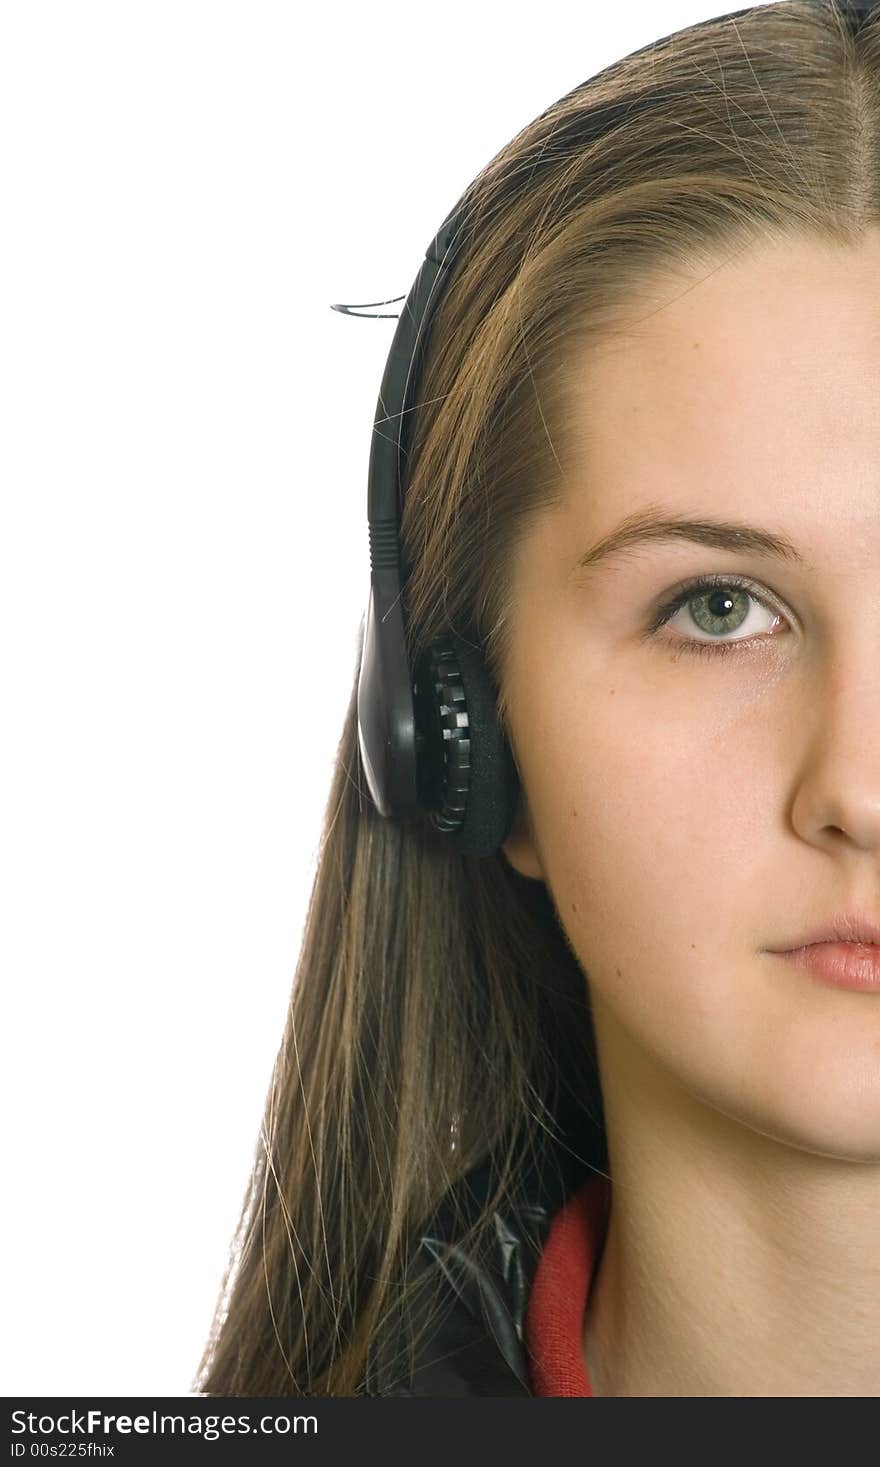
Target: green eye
(721, 604)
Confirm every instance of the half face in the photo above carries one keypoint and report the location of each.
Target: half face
(701, 762)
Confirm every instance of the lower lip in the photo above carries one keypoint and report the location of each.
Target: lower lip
(841, 964)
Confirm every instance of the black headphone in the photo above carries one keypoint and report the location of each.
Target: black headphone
(429, 736)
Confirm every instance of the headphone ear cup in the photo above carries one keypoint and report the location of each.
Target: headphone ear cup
(469, 778)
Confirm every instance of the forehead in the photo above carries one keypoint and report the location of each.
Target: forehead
(755, 380)
(762, 339)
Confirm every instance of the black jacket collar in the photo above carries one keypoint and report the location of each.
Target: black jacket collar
(474, 1343)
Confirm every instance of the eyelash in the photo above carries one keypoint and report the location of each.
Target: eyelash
(685, 593)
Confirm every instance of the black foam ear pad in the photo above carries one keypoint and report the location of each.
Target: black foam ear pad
(487, 783)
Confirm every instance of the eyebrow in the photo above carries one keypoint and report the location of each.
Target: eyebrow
(654, 525)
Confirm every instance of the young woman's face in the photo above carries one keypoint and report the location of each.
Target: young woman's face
(693, 808)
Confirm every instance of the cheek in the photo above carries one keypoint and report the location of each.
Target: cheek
(651, 812)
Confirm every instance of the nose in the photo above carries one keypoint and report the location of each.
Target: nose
(837, 789)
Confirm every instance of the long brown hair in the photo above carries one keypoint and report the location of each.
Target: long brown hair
(437, 1009)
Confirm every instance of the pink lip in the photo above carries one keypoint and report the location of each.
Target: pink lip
(840, 964)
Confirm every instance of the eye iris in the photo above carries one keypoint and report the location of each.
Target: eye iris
(718, 605)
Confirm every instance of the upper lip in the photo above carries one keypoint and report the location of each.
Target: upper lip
(850, 927)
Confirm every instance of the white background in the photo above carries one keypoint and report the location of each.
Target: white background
(186, 187)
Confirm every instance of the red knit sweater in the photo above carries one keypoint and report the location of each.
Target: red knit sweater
(554, 1319)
